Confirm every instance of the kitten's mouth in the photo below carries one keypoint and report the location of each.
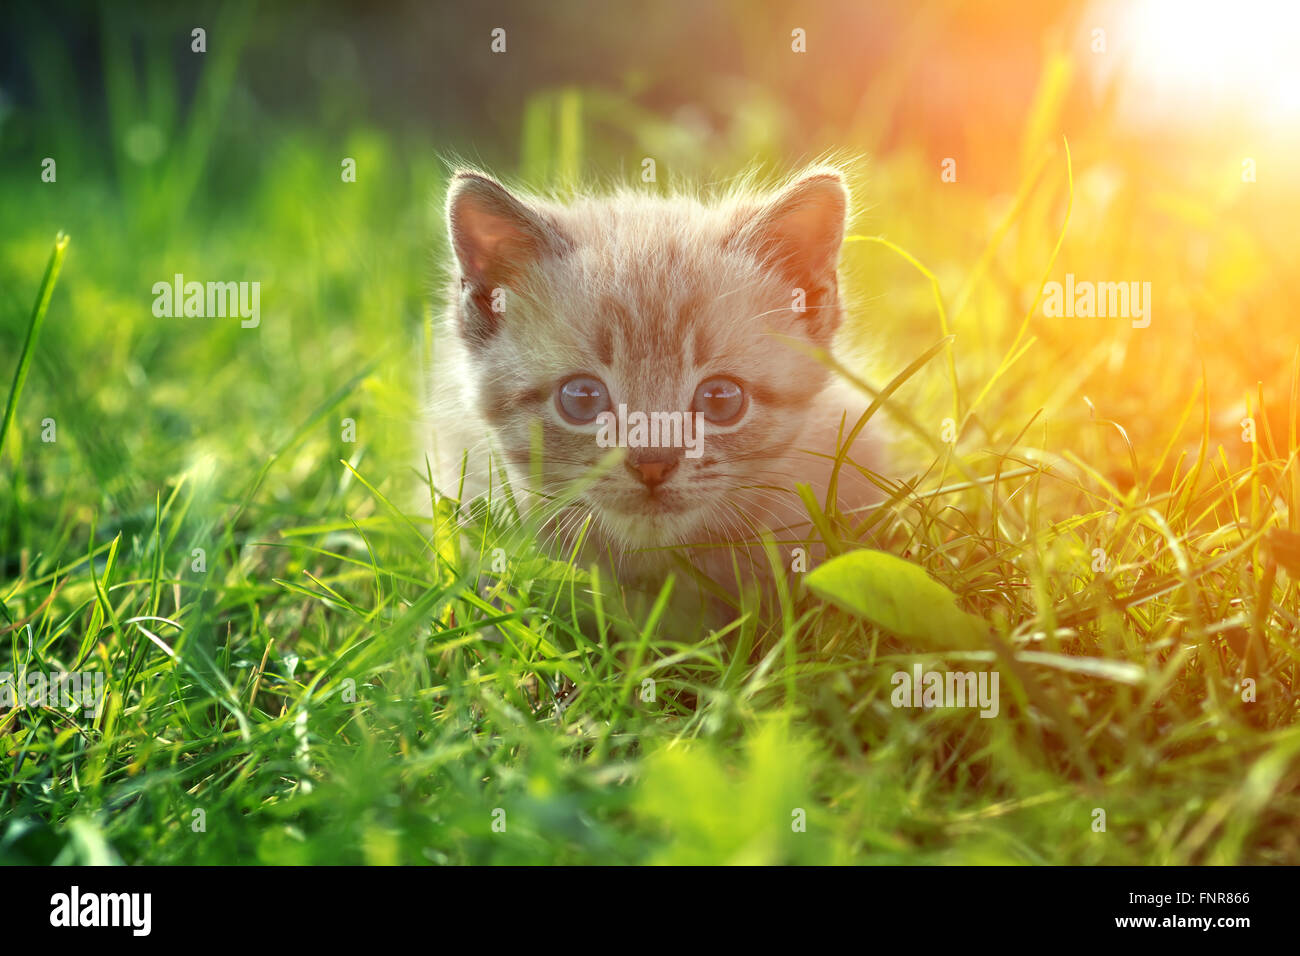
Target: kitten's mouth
(646, 517)
(647, 505)
(649, 521)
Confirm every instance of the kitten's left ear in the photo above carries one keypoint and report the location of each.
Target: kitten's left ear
(800, 230)
(495, 236)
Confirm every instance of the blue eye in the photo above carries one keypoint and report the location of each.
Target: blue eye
(720, 400)
(582, 398)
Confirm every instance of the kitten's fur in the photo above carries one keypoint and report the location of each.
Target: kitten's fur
(650, 295)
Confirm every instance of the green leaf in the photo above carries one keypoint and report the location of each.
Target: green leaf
(896, 595)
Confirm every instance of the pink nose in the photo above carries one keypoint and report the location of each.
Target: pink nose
(652, 473)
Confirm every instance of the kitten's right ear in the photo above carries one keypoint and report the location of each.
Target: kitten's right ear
(801, 228)
(494, 235)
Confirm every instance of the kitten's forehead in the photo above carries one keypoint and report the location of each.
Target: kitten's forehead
(659, 278)
(651, 295)
(643, 225)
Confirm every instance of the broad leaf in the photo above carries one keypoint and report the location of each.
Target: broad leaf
(896, 595)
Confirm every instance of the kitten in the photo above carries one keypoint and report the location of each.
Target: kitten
(560, 313)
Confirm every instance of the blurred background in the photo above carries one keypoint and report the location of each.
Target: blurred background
(1180, 119)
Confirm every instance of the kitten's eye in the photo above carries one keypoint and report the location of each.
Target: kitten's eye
(582, 398)
(720, 400)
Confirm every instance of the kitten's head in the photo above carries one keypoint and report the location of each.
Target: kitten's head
(661, 305)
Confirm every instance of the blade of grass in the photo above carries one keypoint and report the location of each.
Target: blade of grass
(33, 333)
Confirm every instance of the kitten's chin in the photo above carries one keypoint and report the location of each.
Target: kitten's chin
(649, 524)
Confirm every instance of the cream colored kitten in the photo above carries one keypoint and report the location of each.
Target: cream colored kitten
(562, 312)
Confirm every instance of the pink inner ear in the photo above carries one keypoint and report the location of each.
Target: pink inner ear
(802, 237)
(489, 236)
(803, 228)
(494, 235)
(486, 240)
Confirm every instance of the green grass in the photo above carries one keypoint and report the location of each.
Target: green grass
(320, 684)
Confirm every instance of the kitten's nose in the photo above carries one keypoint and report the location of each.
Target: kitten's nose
(651, 472)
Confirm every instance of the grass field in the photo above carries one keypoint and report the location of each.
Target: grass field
(219, 520)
